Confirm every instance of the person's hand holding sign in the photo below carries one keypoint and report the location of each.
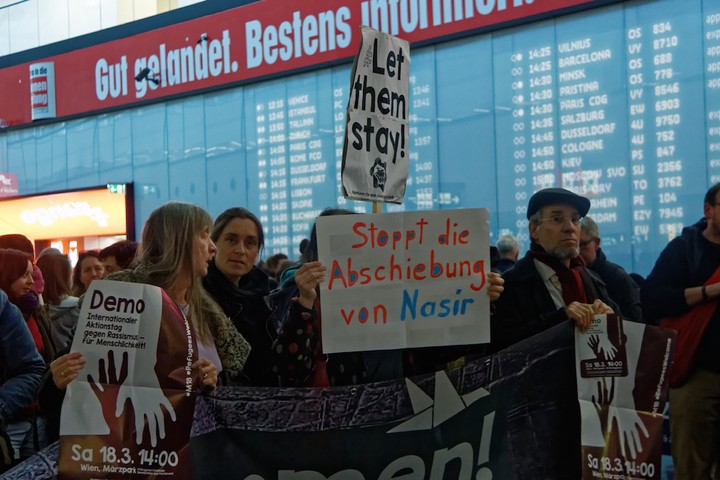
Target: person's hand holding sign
(582, 313)
(66, 368)
(600, 307)
(208, 373)
(495, 287)
(307, 278)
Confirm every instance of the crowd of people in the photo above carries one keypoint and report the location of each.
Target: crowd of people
(260, 323)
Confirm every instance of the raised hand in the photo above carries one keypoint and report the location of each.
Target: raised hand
(495, 287)
(108, 373)
(307, 278)
(594, 344)
(66, 368)
(606, 347)
(604, 399)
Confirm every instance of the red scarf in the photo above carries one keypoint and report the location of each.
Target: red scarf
(575, 283)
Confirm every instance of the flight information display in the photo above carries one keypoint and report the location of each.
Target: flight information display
(620, 104)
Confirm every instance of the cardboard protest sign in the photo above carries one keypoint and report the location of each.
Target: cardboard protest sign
(622, 411)
(128, 414)
(400, 280)
(376, 150)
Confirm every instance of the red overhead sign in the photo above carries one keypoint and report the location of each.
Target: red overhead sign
(255, 40)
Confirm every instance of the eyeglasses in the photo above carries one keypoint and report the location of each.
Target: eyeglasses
(561, 219)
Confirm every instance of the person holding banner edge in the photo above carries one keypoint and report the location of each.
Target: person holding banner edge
(174, 255)
(683, 289)
(550, 284)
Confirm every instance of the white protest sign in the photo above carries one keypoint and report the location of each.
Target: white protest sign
(399, 280)
(622, 382)
(376, 151)
(128, 413)
(110, 322)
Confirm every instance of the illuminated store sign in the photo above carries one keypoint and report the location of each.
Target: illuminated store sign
(69, 214)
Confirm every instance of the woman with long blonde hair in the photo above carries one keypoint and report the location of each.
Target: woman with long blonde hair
(174, 253)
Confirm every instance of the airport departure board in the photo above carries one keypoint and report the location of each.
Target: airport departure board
(620, 104)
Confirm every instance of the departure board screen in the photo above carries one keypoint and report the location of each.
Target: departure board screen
(620, 104)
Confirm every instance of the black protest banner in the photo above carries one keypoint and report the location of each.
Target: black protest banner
(511, 415)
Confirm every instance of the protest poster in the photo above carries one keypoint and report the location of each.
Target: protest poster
(622, 389)
(604, 353)
(128, 413)
(400, 280)
(376, 149)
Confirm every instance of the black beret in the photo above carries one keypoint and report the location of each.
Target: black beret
(548, 196)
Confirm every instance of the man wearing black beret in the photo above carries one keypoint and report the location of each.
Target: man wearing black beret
(550, 284)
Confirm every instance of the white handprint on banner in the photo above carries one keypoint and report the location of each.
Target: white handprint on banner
(615, 403)
(602, 344)
(147, 404)
(143, 386)
(629, 427)
(109, 386)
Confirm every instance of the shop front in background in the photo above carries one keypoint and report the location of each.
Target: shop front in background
(72, 221)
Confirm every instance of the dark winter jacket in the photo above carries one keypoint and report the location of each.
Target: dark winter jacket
(251, 310)
(526, 308)
(21, 366)
(621, 288)
(301, 360)
(687, 261)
